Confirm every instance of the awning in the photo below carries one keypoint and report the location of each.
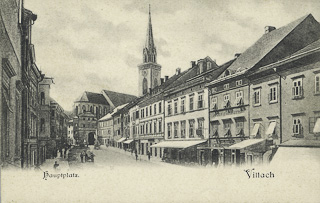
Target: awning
(127, 141)
(271, 128)
(246, 143)
(255, 129)
(178, 144)
(301, 157)
(316, 128)
(121, 139)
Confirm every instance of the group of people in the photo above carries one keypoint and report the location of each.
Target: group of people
(87, 155)
(136, 154)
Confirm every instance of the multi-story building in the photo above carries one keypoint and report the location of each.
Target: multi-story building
(186, 112)
(31, 76)
(252, 99)
(105, 130)
(71, 140)
(58, 127)
(11, 17)
(46, 144)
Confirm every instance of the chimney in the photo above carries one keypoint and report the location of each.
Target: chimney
(178, 70)
(166, 78)
(237, 55)
(268, 29)
(162, 80)
(193, 63)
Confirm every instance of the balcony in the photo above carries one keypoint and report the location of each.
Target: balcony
(152, 135)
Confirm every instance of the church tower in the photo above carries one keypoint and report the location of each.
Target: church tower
(149, 70)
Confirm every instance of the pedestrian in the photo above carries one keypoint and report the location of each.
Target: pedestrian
(56, 165)
(86, 157)
(136, 157)
(131, 152)
(81, 156)
(148, 153)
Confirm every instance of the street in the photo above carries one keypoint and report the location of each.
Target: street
(114, 157)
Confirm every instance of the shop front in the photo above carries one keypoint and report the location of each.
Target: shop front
(180, 152)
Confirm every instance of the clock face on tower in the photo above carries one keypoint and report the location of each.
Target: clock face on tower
(144, 73)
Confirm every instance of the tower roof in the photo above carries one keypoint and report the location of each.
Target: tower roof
(149, 41)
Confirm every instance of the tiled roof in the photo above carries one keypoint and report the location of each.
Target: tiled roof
(118, 99)
(279, 43)
(92, 97)
(310, 47)
(96, 98)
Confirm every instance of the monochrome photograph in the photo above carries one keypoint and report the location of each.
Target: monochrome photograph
(160, 101)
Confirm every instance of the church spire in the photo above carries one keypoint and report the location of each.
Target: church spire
(149, 51)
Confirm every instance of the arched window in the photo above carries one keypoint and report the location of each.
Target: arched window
(42, 98)
(145, 86)
(155, 82)
(42, 125)
(226, 73)
(83, 109)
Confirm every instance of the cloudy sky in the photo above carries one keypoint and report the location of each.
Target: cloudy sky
(90, 45)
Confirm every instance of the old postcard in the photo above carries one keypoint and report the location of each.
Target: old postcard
(160, 101)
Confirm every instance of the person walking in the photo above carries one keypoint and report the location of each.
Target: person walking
(81, 156)
(149, 154)
(136, 157)
(56, 165)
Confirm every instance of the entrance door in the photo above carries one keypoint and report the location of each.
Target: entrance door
(91, 139)
(215, 157)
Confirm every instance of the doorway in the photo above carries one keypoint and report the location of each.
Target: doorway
(215, 157)
(91, 138)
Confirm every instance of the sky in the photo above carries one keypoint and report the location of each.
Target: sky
(97, 44)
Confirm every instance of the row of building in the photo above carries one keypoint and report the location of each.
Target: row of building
(33, 125)
(236, 113)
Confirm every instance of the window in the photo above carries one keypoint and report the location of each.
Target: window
(150, 110)
(176, 126)
(155, 127)
(200, 127)
(169, 109)
(183, 129)
(182, 107)
(297, 90)
(238, 82)
(146, 111)
(297, 127)
(160, 126)
(160, 107)
(312, 123)
(214, 102)
(42, 124)
(226, 86)
(317, 84)
(208, 65)
(191, 103)
(273, 97)
(256, 97)
(52, 113)
(155, 109)
(176, 106)
(169, 130)
(191, 128)
(147, 128)
(214, 89)
(239, 126)
(239, 98)
(226, 99)
(144, 86)
(200, 101)
(227, 128)
(42, 98)
(83, 125)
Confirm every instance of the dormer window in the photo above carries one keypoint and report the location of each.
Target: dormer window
(226, 86)
(226, 73)
(209, 65)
